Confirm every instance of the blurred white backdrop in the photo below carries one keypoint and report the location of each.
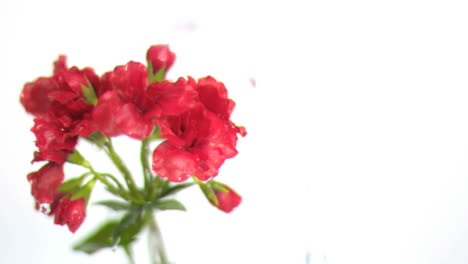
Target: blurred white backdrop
(357, 146)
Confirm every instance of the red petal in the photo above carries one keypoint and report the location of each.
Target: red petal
(214, 96)
(103, 114)
(34, 96)
(174, 98)
(174, 163)
(132, 122)
(45, 182)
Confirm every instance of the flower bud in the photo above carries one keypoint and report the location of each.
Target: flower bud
(227, 198)
(160, 56)
(71, 213)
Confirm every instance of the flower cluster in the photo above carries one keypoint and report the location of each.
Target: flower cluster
(135, 100)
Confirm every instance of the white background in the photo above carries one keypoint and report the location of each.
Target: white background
(357, 149)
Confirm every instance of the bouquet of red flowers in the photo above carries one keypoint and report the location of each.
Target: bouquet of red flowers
(190, 118)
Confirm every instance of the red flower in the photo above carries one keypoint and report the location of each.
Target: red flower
(71, 213)
(200, 139)
(120, 109)
(197, 144)
(160, 56)
(130, 105)
(64, 87)
(213, 95)
(228, 199)
(45, 182)
(62, 113)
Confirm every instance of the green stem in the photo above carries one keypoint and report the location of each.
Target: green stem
(121, 187)
(156, 237)
(102, 179)
(110, 151)
(146, 167)
(129, 253)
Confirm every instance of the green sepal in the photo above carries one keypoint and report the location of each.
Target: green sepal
(156, 134)
(97, 240)
(207, 191)
(76, 158)
(168, 204)
(85, 191)
(97, 138)
(114, 205)
(217, 186)
(89, 93)
(170, 190)
(155, 77)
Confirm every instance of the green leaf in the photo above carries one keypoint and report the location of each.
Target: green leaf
(114, 232)
(130, 233)
(76, 158)
(97, 240)
(176, 188)
(114, 205)
(130, 223)
(169, 204)
(85, 191)
(70, 186)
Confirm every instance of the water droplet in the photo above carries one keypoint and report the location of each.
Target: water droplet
(44, 208)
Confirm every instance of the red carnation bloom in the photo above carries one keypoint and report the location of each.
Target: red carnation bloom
(71, 213)
(62, 113)
(228, 199)
(198, 140)
(45, 182)
(160, 56)
(65, 87)
(120, 109)
(197, 144)
(130, 105)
